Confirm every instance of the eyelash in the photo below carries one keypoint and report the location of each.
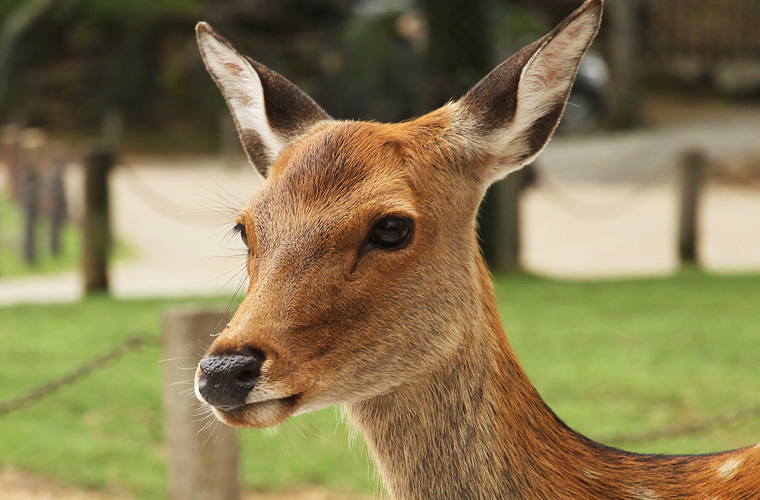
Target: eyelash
(240, 229)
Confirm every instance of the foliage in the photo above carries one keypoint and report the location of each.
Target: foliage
(86, 56)
(375, 73)
(108, 10)
(609, 357)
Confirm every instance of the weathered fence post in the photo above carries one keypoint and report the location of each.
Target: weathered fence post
(113, 129)
(624, 38)
(29, 208)
(32, 152)
(11, 158)
(500, 218)
(96, 230)
(203, 461)
(56, 197)
(692, 164)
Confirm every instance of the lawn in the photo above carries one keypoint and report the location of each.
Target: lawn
(610, 357)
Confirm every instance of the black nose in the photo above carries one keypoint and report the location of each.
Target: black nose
(225, 381)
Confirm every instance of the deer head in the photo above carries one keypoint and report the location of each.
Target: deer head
(364, 266)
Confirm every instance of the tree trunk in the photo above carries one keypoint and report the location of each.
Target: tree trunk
(624, 39)
(12, 31)
(460, 54)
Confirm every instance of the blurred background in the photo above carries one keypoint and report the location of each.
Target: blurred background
(120, 174)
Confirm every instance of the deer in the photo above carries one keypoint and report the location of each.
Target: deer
(368, 290)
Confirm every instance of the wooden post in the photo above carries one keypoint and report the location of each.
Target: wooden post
(203, 460)
(692, 163)
(29, 207)
(113, 130)
(500, 218)
(56, 203)
(96, 226)
(11, 158)
(624, 35)
(32, 152)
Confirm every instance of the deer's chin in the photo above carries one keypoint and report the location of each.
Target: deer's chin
(262, 414)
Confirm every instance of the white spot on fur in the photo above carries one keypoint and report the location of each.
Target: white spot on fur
(639, 492)
(590, 474)
(728, 468)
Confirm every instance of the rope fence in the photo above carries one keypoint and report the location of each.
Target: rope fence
(735, 178)
(180, 322)
(159, 202)
(34, 166)
(607, 209)
(701, 426)
(130, 344)
(564, 198)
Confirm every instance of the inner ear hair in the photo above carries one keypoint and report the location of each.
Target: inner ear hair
(269, 111)
(515, 109)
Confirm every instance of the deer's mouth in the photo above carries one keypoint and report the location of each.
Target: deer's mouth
(259, 414)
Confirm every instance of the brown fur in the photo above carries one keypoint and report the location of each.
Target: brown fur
(409, 340)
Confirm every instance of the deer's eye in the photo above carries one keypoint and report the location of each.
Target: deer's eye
(390, 232)
(240, 229)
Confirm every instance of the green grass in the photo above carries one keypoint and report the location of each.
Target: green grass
(626, 356)
(609, 357)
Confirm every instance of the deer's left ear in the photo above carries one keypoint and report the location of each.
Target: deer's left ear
(269, 111)
(512, 113)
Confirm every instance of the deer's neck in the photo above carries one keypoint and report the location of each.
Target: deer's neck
(465, 431)
(468, 429)
(476, 428)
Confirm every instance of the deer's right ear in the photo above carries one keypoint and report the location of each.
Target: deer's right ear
(269, 111)
(511, 114)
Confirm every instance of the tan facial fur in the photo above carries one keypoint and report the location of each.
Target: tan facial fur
(407, 338)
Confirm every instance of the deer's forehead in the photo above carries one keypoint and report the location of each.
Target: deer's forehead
(337, 173)
(347, 161)
(339, 158)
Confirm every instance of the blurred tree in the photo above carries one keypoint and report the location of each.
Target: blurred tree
(460, 53)
(460, 48)
(16, 23)
(290, 36)
(371, 69)
(82, 57)
(139, 56)
(625, 39)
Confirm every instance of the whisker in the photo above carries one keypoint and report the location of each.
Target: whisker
(179, 358)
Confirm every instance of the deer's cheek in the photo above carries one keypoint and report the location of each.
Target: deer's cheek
(251, 268)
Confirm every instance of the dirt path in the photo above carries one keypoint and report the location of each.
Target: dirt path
(177, 212)
(19, 485)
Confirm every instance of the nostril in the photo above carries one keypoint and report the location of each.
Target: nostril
(246, 376)
(227, 380)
